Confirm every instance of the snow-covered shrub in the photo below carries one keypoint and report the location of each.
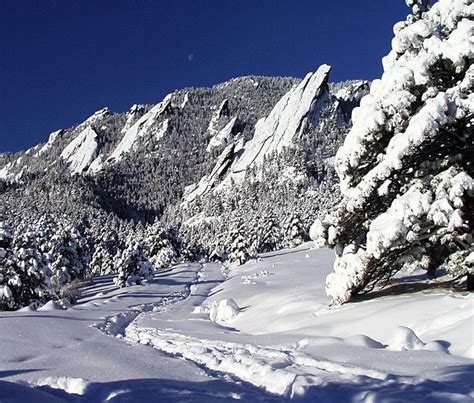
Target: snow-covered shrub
(70, 292)
(405, 168)
(224, 311)
(321, 231)
(133, 266)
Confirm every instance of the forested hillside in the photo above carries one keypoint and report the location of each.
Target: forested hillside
(251, 158)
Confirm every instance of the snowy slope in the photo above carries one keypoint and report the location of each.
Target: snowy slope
(273, 336)
(287, 341)
(216, 116)
(5, 171)
(13, 170)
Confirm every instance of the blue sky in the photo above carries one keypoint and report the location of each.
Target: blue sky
(61, 60)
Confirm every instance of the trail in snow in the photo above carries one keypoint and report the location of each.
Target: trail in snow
(284, 367)
(116, 324)
(294, 374)
(176, 308)
(70, 355)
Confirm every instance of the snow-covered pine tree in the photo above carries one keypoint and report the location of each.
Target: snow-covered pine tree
(102, 261)
(295, 233)
(24, 276)
(133, 266)
(192, 252)
(33, 285)
(239, 250)
(406, 166)
(254, 234)
(45, 228)
(161, 251)
(218, 251)
(271, 235)
(8, 276)
(70, 255)
(106, 248)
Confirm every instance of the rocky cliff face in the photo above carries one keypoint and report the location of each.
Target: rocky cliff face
(308, 109)
(173, 157)
(288, 118)
(272, 134)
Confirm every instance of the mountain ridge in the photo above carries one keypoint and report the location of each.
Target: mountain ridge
(142, 164)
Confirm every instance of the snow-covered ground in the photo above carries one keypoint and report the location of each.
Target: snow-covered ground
(272, 337)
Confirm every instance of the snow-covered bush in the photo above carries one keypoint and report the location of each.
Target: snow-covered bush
(133, 266)
(70, 292)
(406, 165)
(321, 231)
(224, 311)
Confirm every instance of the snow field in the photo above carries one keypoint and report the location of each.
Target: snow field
(283, 338)
(279, 339)
(66, 355)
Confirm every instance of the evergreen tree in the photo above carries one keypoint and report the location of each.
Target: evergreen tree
(239, 250)
(161, 250)
(254, 234)
(106, 248)
(406, 165)
(102, 261)
(295, 233)
(271, 235)
(218, 252)
(24, 273)
(32, 269)
(70, 255)
(133, 266)
(8, 275)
